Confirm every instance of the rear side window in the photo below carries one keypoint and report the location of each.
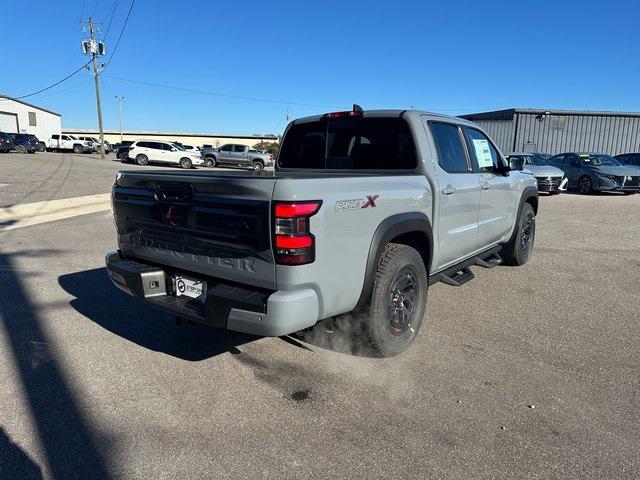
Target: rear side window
(483, 152)
(349, 143)
(239, 148)
(452, 155)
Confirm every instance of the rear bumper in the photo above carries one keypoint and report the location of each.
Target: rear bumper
(240, 308)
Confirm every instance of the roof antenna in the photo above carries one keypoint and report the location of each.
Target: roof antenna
(357, 108)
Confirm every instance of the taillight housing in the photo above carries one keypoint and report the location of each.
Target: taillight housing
(292, 240)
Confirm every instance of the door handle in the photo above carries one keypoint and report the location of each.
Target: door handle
(448, 190)
(486, 186)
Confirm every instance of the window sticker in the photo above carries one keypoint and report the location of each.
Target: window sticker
(483, 153)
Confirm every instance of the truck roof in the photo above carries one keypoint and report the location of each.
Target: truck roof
(390, 113)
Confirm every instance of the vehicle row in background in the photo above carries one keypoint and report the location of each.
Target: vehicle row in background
(234, 155)
(586, 172)
(550, 179)
(144, 152)
(589, 172)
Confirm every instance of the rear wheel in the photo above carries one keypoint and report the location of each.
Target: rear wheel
(520, 246)
(21, 149)
(398, 300)
(257, 166)
(186, 162)
(77, 149)
(142, 159)
(585, 185)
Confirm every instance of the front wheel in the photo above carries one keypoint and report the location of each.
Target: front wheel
(398, 300)
(185, 162)
(520, 246)
(209, 162)
(585, 185)
(257, 166)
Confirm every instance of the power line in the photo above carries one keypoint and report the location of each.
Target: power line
(124, 25)
(51, 86)
(95, 5)
(238, 97)
(114, 7)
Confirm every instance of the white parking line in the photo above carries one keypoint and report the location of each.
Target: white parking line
(18, 216)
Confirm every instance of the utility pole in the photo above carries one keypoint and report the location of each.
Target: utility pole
(119, 100)
(96, 49)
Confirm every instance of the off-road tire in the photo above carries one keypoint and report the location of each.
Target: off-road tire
(518, 250)
(385, 335)
(186, 162)
(77, 149)
(142, 160)
(585, 185)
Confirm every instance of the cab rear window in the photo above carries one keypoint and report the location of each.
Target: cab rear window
(349, 143)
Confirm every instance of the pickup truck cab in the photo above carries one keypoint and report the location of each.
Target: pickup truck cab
(234, 155)
(69, 142)
(364, 211)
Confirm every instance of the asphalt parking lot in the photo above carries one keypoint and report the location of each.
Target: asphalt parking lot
(530, 372)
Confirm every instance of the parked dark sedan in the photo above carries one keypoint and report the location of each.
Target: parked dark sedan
(629, 159)
(23, 143)
(6, 142)
(589, 172)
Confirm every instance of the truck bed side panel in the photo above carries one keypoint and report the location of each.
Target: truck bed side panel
(344, 229)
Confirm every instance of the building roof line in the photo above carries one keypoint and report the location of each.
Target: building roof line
(166, 134)
(508, 114)
(29, 105)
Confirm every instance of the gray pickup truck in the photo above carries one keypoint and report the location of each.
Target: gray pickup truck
(364, 211)
(234, 155)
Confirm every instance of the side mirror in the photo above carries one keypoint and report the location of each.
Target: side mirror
(516, 163)
(174, 149)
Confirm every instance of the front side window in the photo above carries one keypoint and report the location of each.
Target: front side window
(483, 153)
(452, 156)
(349, 143)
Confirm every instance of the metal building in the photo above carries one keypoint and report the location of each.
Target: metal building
(557, 131)
(17, 116)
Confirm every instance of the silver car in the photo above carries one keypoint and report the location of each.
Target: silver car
(550, 179)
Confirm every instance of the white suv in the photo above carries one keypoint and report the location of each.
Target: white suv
(144, 152)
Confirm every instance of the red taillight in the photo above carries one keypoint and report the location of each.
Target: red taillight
(293, 242)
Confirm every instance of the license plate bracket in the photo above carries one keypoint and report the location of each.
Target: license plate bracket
(191, 287)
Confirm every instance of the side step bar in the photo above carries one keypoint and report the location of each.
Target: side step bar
(459, 274)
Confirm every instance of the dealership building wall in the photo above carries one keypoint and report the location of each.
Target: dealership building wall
(17, 116)
(195, 139)
(557, 131)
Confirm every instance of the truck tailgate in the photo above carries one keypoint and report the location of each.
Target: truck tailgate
(216, 225)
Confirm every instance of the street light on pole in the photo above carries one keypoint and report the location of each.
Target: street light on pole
(119, 100)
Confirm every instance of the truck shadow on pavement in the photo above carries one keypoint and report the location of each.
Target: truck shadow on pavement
(14, 463)
(97, 299)
(68, 440)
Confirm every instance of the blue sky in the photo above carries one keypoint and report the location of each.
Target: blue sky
(452, 57)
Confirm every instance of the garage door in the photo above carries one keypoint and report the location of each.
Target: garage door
(8, 122)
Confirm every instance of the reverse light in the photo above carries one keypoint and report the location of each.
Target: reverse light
(293, 242)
